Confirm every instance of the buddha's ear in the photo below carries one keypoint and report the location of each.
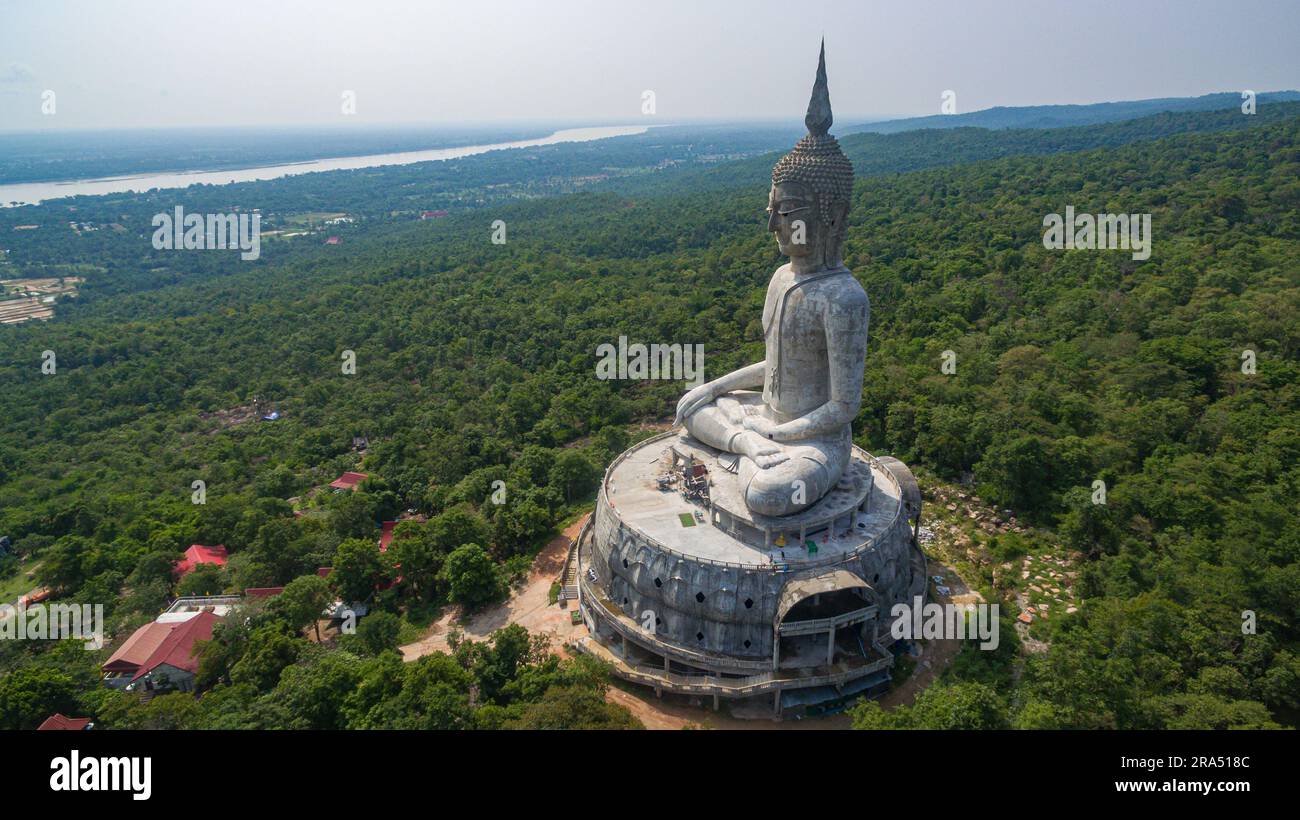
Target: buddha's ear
(836, 213)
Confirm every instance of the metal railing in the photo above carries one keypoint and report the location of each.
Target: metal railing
(825, 624)
(736, 687)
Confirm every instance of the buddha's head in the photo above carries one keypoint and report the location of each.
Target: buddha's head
(811, 189)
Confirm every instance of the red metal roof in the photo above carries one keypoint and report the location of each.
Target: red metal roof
(58, 721)
(348, 481)
(200, 554)
(136, 649)
(177, 649)
(263, 592)
(34, 597)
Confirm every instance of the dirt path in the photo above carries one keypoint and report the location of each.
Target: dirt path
(935, 654)
(935, 657)
(527, 606)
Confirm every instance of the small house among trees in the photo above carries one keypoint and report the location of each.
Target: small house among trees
(348, 481)
(199, 554)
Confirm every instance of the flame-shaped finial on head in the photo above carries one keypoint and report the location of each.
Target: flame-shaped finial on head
(819, 119)
(816, 160)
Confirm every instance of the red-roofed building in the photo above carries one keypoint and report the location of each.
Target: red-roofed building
(386, 535)
(263, 592)
(324, 572)
(36, 596)
(135, 650)
(57, 721)
(348, 481)
(199, 554)
(432, 214)
(162, 645)
(334, 240)
(173, 664)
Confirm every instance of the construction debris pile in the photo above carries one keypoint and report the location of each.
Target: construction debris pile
(688, 475)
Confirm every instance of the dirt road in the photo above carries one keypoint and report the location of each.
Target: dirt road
(527, 606)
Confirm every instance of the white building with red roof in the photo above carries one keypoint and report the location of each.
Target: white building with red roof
(160, 655)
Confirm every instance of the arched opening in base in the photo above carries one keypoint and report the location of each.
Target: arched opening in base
(823, 621)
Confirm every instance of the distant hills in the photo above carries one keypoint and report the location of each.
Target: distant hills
(1060, 116)
(914, 149)
(874, 153)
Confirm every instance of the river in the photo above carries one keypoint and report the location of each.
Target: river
(32, 193)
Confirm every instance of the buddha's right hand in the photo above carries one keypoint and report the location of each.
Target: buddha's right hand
(694, 399)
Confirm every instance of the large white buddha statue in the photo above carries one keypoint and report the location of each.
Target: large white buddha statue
(794, 439)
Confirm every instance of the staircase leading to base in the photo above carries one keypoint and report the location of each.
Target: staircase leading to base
(569, 586)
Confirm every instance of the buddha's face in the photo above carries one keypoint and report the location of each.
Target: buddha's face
(792, 214)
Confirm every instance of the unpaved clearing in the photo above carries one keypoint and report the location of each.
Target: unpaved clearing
(527, 606)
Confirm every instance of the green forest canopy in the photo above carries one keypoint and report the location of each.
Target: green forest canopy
(476, 363)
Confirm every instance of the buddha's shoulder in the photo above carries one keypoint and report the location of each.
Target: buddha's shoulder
(782, 278)
(844, 287)
(782, 274)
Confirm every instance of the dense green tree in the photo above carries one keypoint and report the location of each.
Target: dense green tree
(268, 652)
(520, 524)
(30, 694)
(205, 579)
(127, 710)
(64, 564)
(358, 569)
(574, 474)
(302, 602)
(456, 528)
(435, 695)
(574, 708)
(951, 706)
(354, 515)
(313, 690)
(415, 549)
(1015, 471)
(471, 577)
(376, 633)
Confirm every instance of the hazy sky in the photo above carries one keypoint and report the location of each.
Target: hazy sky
(128, 63)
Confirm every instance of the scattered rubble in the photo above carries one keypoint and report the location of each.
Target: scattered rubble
(1046, 581)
